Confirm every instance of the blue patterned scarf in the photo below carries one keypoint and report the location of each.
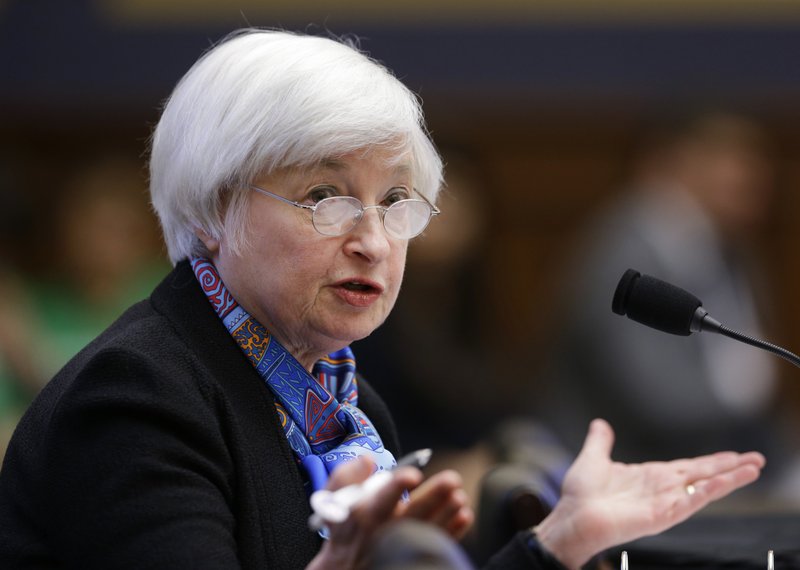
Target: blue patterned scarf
(319, 413)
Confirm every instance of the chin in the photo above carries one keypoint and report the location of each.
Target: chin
(353, 334)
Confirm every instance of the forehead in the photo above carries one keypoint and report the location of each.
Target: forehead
(391, 160)
(381, 161)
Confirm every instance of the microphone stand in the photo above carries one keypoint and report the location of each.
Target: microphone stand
(702, 321)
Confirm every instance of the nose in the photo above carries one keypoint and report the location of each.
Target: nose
(368, 239)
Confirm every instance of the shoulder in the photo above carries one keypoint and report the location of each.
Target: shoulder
(153, 338)
(138, 351)
(137, 391)
(140, 366)
(137, 373)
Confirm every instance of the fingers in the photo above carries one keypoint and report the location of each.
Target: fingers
(432, 494)
(708, 466)
(688, 498)
(382, 505)
(720, 485)
(350, 539)
(460, 522)
(375, 509)
(754, 458)
(599, 440)
(350, 473)
(381, 494)
(441, 501)
(453, 515)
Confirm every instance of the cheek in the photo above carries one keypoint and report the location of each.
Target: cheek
(299, 269)
(398, 266)
(285, 248)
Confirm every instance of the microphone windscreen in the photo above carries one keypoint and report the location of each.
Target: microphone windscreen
(655, 303)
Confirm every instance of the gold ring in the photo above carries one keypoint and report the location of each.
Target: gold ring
(690, 489)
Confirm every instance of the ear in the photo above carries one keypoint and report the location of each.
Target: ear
(212, 244)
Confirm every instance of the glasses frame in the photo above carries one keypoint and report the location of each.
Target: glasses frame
(381, 209)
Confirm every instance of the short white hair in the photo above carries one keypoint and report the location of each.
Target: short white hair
(262, 100)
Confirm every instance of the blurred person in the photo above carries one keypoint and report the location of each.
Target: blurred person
(20, 379)
(289, 173)
(102, 256)
(702, 189)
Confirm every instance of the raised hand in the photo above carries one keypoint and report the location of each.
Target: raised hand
(605, 503)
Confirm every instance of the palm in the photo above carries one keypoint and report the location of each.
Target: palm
(607, 503)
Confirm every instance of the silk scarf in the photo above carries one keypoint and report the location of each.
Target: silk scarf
(319, 411)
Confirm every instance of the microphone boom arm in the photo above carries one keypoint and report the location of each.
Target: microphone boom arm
(702, 321)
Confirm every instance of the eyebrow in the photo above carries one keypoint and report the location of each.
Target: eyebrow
(332, 164)
(338, 165)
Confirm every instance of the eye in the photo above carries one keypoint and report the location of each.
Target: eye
(318, 193)
(396, 194)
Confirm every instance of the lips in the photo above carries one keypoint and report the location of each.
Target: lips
(358, 292)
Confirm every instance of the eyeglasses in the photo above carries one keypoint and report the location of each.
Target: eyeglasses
(337, 215)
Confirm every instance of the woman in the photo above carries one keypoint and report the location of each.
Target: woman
(288, 173)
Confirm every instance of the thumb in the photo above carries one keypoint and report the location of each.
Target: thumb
(599, 440)
(351, 472)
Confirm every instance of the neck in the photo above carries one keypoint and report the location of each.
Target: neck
(306, 355)
(305, 358)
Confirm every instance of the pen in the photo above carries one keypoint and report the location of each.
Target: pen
(318, 474)
(335, 506)
(418, 459)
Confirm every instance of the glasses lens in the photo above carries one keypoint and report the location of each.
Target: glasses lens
(407, 218)
(337, 215)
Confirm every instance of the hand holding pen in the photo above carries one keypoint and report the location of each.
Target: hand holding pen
(373, 501)
(335, 506)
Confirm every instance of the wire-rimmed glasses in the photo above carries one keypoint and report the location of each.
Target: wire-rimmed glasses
(337, 215)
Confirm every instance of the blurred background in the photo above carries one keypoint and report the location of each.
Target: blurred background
(548, 113)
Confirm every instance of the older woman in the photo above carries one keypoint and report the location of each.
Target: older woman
(289, 174)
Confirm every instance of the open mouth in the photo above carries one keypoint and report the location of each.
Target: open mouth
(360, 287)
(359, 293)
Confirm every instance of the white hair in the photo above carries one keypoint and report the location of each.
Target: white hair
(263, 100)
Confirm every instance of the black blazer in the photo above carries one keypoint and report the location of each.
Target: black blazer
(158, 446)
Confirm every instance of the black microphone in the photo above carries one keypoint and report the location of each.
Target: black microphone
(670, 309)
